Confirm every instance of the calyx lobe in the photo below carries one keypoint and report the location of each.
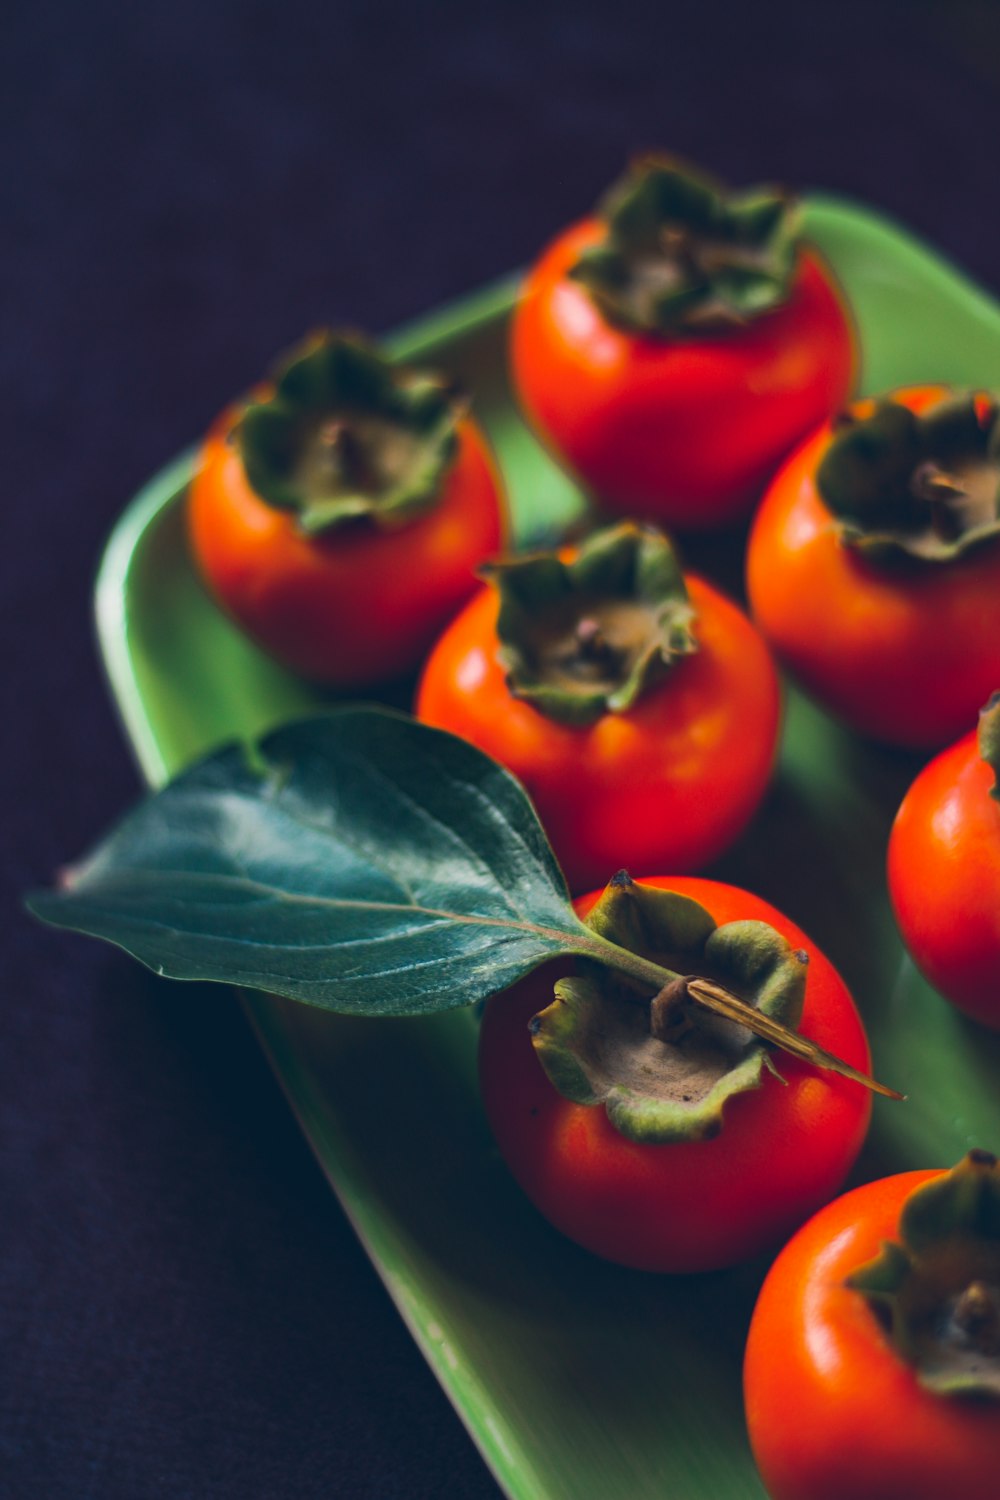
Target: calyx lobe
(345, 434)
(661, 1067)
(680, 253)
(988, 741)
(925, 486)
(588, 636)
(936, 1290)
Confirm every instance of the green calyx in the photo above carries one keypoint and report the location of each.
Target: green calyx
(583, 638)
(921, 486)
(988, 739)
(664, 1068)
(347, 435)
(681, 253)
(937, 1290)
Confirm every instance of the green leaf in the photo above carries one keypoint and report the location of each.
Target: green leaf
(361, 862)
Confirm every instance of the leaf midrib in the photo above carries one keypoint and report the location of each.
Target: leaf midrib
(441, 914)
(274, 776)
(424, 815)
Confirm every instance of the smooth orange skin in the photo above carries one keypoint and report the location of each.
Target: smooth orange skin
(672, 781)
(944, 879)
(907, 655)
(783, 1149)
(685, 430)
(832, 1410)
(355, 606)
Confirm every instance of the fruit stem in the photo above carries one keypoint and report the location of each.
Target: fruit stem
(713, 997)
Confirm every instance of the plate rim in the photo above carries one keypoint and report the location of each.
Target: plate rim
(165, 488)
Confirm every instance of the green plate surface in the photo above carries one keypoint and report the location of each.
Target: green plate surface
(576, 1379)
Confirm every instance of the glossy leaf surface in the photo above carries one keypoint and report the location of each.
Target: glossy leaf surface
(357, 860)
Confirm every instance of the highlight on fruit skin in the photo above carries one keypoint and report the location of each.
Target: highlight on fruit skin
(876, 1329)
(943, 870)
(672, 348)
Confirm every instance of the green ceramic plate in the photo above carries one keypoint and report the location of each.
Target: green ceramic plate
(576, 1379)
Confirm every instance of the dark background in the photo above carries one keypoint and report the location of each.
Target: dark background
(183, 1309)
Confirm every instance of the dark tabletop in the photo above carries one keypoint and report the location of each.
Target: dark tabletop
(184, 1310)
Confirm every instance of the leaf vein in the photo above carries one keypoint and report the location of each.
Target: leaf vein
(451, 835)
(437, 915)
